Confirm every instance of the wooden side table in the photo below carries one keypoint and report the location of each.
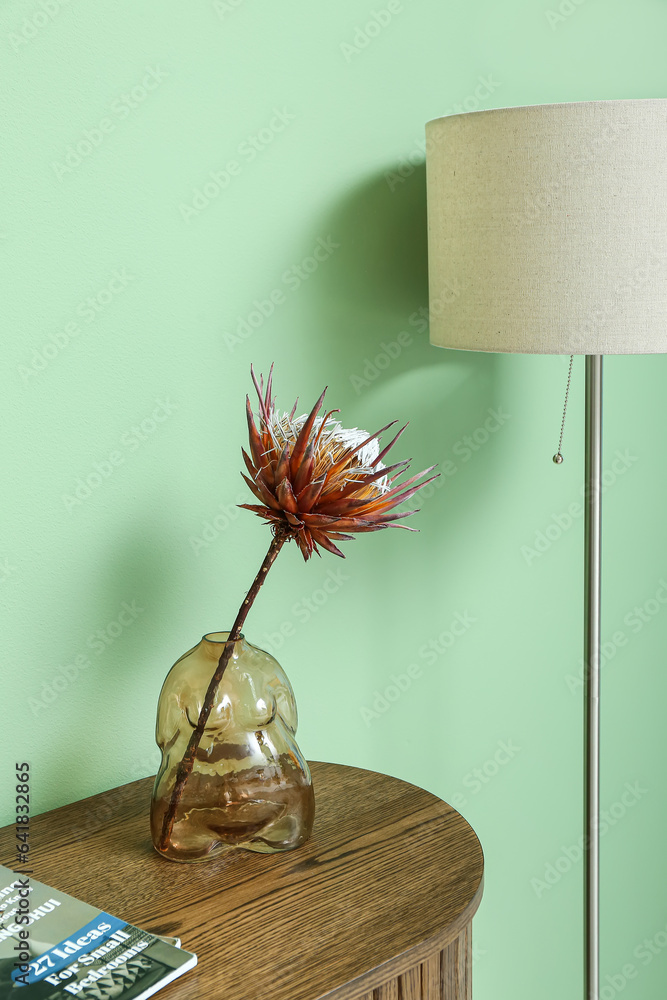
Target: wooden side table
(376, 906)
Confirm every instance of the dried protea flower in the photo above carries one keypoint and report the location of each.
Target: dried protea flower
(317, 480)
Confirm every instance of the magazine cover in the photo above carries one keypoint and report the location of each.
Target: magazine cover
(53, 947)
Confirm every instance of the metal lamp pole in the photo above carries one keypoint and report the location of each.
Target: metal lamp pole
(592, 539)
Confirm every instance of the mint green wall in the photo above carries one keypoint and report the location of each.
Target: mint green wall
(129, 275)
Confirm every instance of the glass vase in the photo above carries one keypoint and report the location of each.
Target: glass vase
(250, 787)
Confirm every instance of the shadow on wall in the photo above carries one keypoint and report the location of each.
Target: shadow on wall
(114, 653)
(138, 583)
(377, 277)
(369, 303)
(370, 306)
(374, 288)
(382, 262)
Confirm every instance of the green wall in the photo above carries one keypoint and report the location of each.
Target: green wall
(130, 272)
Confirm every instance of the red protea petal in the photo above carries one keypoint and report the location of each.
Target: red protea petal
(252, 469)
(322, 426)
(305, 470)
(304, 435)
(264, 471)
(387, 518)
(259, 387)
(286, 497)
(337, 523)
(368, 507)
(308, 497)
(256, 446)
(253, 487)
(340, 508)
(334, 496)
(262, 483)
(366, 523)
(372, 437)
(261, 491)
(389, 446)
(413, 479)
(325, 541)
(415, 489)
(295, 521)
(268, 402)
(305, 543)
(391, 494)
(282, 469)
(342, 462)
(381, 527)
(402, 466)
(270, 458)
(271, 515)
(367, 526)
(388, 502)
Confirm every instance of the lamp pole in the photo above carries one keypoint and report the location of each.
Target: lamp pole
(592, 543)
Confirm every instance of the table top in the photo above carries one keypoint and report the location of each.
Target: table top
(390, 875)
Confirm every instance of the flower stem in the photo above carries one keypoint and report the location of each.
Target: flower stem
(187, 763)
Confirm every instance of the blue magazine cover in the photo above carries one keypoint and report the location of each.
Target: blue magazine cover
(53, 947)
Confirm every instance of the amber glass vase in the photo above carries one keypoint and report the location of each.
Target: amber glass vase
(250, 786)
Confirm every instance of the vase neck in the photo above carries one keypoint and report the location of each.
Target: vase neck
(213, 644)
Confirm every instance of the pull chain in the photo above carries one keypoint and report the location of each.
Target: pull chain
(558, 458)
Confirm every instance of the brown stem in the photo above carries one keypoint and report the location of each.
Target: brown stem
(187, 763)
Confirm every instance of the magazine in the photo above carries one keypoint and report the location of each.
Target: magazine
(53, 947)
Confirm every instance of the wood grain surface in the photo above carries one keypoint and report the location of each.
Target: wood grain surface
(376, 906)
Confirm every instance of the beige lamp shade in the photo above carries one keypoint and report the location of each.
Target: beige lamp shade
(547, 228)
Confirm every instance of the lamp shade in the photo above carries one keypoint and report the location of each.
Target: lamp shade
(547, 228)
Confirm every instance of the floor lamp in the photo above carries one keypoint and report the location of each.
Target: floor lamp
(548, 235)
